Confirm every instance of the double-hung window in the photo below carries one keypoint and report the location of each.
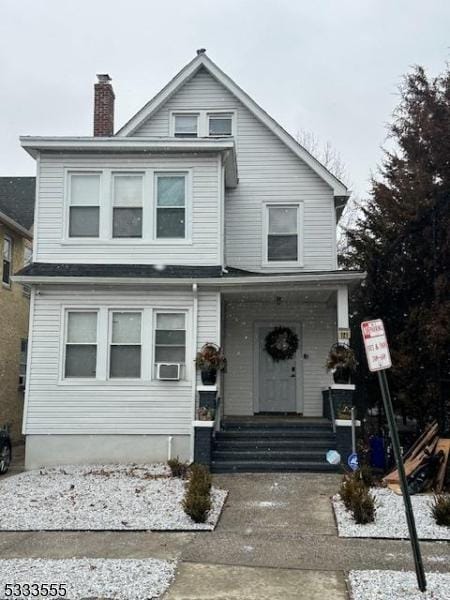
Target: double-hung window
(283, 233)
(125, 345)
(171, 205)
(127, 205)
(81, 344)
(220, 125)
(170, 338)
(7, 260)
(185, 126)
(84, 209)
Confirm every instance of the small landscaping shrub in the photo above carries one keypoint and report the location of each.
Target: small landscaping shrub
(178, 468)
(363, 506)
(365, 474)
(441, 509)
(350, 487)
(197, 499)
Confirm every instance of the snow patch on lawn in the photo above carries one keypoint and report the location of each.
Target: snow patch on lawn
(99, 497)
(390, 520)
(397, 585)
(92, 578)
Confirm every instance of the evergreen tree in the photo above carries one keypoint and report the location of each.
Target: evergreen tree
(402, 241)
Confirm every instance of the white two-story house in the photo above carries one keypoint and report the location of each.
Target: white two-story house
(200, 220)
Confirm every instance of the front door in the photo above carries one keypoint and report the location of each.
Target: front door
(277, 380)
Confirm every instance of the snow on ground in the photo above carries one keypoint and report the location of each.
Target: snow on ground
(390, 520)
(88, 578)
(397, 585)
(99, 497)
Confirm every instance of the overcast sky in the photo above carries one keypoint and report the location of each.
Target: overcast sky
(331, 67)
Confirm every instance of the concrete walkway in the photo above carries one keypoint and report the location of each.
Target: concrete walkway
(276, 539)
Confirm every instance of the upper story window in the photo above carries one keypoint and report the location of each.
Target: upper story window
(186, 126)
(171, 205)
(84, 201)
(127, 205)
(81, 344)
(283, 224)
(125, 345)
(220, 124)
(7, 260)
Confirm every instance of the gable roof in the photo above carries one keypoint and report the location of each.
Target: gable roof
(17, 195)
(203, 61)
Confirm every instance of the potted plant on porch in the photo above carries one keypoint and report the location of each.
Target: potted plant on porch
(209, 360)
(341, 362)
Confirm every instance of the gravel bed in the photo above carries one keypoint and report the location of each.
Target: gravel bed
(99, 497)
(390, 520)
(91, 578)
(397, 585)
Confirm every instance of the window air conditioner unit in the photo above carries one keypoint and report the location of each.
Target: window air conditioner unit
(168, 371)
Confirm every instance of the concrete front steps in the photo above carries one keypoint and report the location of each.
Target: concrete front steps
(267, 444)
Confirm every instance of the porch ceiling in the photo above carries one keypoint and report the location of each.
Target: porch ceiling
(280, 295)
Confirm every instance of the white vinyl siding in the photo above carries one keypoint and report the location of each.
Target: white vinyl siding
(201, 245)
(268, 171)
(111, 406)
(318, 322)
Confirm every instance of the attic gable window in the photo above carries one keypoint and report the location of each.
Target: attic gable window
(186, 126)
(84, 201)
(220, 125)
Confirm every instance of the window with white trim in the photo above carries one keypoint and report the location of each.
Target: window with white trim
(125, 345)
(185, 126)
(171, 205)
(283, 224)
(7, 260)
(81, 344)
(84, 205)
(220, 124)
(128, 192)
(170, 338)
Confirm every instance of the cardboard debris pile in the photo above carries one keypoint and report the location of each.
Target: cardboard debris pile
(425, 464)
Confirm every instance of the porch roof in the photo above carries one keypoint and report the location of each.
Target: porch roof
(121, 274)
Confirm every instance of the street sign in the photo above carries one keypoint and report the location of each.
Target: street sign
(375, 343)
(352, 461)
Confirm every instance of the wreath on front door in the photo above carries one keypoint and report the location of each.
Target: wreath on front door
(281, 343)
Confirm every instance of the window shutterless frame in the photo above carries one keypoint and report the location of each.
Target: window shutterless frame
(127, 205)
(7, 259)
(70, 342)
(185, 124)
(118, 369)
(180, 208)
(74, 206)
(299, 232)
(220, 124)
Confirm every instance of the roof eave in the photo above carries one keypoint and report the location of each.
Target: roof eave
(15, 226)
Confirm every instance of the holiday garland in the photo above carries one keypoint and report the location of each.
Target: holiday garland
(281, 343)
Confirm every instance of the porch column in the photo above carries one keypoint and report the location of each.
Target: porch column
(343, 329)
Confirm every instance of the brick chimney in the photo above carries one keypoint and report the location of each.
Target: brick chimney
(103, 106)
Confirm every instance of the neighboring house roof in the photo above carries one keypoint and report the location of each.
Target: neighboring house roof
(17, 195)
(202, 61)
(176, 274)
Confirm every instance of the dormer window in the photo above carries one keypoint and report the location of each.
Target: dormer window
(220, 125)
(186, 126)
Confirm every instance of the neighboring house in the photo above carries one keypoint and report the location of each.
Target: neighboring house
(200, 220)
(16, 221)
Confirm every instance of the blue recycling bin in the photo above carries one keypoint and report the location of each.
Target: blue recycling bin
(377, 455)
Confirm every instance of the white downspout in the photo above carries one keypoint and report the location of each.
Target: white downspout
(194, 375)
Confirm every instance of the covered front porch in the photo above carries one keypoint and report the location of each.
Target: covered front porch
(255, 383)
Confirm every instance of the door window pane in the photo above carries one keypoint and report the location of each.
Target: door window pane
(186, 125)
(220, 125)
(84, 221)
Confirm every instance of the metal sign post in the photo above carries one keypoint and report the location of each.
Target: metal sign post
(378, 358)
